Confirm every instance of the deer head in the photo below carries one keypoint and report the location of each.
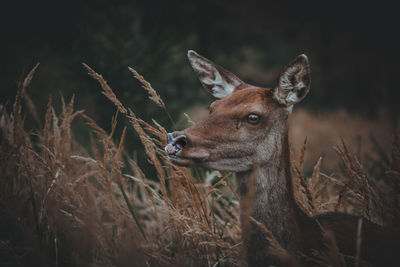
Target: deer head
(246, 123)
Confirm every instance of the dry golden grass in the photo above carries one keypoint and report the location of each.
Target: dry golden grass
(64, 206)
(100, 209)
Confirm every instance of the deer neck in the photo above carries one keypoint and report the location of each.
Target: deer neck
(272, 199)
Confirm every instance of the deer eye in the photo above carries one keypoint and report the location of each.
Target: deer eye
(253, 118)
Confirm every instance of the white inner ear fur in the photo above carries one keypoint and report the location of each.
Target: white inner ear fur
(291, 97)
(291, 83)
(200, 66)
(220, 88)
(218, 85)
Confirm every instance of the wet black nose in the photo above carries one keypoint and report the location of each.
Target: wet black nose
(175, 144)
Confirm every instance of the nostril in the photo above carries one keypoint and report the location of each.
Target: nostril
(175, 144)
(180, 142)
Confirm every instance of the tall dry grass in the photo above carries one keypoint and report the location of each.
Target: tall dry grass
(61, 205)
(99, 208)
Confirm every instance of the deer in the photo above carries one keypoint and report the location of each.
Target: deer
(246, 132)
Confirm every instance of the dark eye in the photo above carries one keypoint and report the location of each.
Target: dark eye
(253, 118)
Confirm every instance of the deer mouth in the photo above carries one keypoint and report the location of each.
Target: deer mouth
(174, 146)
(174, 151)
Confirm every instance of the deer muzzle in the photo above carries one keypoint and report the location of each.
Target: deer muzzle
(175, 144)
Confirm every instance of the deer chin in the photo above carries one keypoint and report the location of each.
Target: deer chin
(228, 165)
(188, 158)
(180, 161)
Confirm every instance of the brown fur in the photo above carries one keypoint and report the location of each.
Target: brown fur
(226, 141)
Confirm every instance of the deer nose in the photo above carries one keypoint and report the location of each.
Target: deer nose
(175, 144)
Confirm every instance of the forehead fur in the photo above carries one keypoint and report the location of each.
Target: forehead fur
(245, 96)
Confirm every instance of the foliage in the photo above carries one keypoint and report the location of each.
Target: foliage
(62, 205)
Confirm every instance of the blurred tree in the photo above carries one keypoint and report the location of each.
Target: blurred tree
(352, 50)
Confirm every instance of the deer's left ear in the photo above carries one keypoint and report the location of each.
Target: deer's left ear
(218, 81)
(294, 82)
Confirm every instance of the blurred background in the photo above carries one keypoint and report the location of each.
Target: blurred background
(353, 51)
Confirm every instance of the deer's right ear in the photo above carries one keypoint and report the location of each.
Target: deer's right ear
(218, 81)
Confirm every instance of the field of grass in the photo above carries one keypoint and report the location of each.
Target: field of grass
(64, 205)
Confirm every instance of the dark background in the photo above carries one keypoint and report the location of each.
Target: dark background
(352, 49)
